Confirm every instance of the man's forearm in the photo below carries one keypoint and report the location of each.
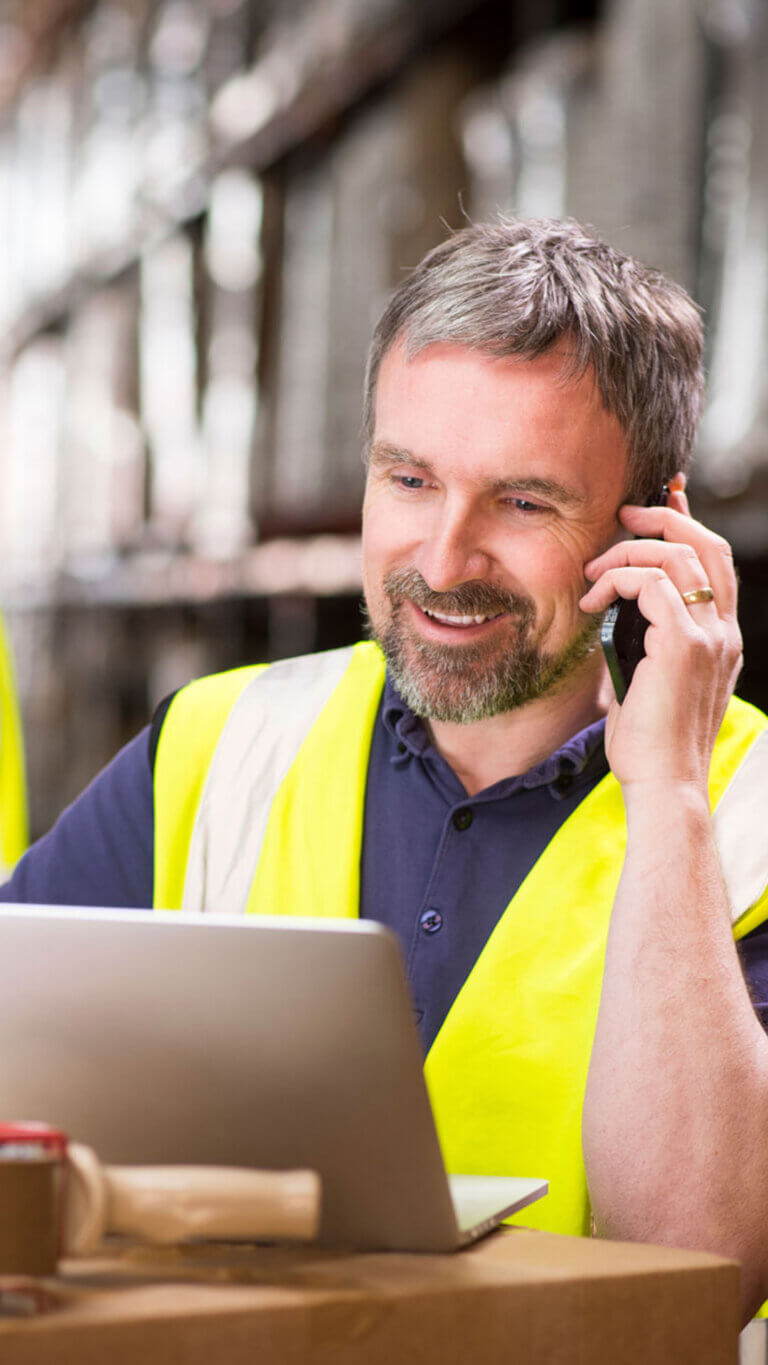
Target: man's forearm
(676, 1109)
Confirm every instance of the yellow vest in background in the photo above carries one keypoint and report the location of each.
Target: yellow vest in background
(259, 796)
(14, 835)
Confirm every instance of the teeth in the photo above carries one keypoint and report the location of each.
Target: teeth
(457, 620)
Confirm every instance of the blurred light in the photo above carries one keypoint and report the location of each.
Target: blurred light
(726, 175)
(728, 22)
(31, 494)
(232, 247)
(487, 139)
(729, 132)
(244, 105)
(729, 475)
(168, 381)
(127, 439)
(736, 369)
(722, 181)
(228, 412)
(318, 565)
(247, 102)
(168, 340)
(541, 120)
(172, 154)
(179, 40)
(223, 525)
(175, 99)
(118, 92)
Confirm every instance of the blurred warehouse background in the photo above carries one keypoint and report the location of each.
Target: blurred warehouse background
(203, 206)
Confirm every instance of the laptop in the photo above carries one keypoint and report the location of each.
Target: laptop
(276, 1043)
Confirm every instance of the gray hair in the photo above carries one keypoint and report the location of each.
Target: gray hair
(516, 287)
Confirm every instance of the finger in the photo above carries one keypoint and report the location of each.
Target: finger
(679, 562)
(678, 527)
(714, 552)
(678, 502)
(676, 498)
(654, 591)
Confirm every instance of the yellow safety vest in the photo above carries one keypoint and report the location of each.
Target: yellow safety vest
(14, 835)
(259, 795)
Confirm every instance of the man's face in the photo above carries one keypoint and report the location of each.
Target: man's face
(491, 483)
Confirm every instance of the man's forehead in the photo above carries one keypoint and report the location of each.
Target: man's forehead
(560, 361)
(449, 377)
(519, 416)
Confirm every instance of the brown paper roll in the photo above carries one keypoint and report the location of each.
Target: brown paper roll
(29, 1216)
(169, 1204)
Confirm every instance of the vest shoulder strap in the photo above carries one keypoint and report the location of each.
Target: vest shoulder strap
(259, 744)
(187, 742)
(740, 820)
(13, 786)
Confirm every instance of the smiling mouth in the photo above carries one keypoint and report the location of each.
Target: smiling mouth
(459, 622)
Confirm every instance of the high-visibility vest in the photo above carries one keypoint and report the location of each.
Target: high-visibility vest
(259, 794)
(14, 835)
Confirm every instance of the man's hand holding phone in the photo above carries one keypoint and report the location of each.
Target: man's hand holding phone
(665, 728)
(622, 633)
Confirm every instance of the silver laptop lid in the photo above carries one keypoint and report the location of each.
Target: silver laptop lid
(160, 1037)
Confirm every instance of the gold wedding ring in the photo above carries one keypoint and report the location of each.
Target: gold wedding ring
(697, 595)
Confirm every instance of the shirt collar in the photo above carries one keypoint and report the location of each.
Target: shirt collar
(412, 740)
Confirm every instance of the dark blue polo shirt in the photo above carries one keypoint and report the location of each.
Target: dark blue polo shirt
(439, 867)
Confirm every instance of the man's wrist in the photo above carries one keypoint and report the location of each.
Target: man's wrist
(665, 799)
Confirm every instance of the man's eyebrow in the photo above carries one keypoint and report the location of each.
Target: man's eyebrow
(543, 488)
(384, 453)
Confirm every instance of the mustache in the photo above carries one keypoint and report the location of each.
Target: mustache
(473, 598)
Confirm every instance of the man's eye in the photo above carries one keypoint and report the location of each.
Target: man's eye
(523, 505)
(408, 481)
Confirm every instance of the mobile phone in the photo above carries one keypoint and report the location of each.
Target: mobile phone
(622, 633)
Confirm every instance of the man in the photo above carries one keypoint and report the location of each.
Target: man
(529, 389)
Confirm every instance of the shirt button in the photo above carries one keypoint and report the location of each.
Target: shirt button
(564, 782)
(401, 748)
(431, 921)
(462, 819)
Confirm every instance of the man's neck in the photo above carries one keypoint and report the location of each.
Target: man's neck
(510, 744)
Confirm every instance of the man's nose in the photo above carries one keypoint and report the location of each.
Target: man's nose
(453, 553)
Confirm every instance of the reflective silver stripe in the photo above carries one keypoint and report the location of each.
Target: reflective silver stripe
(260, 740)
(740, 824)
(262, 737)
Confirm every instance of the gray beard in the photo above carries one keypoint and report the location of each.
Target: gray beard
(462, 684)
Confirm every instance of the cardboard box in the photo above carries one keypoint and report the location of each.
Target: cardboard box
(519, 1296)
